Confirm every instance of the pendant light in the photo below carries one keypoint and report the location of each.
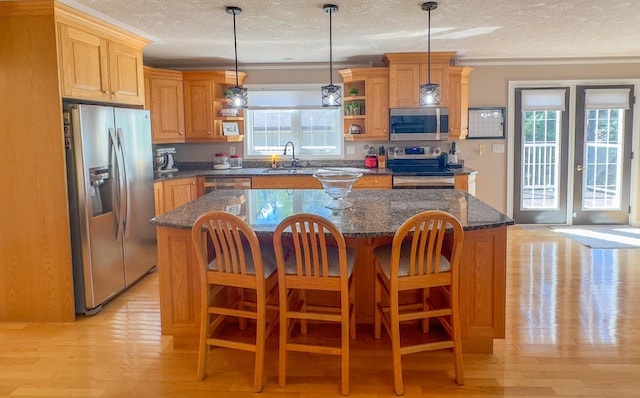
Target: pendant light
(236, 96)
(331, 95)
(429, 93)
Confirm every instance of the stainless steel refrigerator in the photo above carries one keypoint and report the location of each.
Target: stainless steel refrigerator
(111, 200)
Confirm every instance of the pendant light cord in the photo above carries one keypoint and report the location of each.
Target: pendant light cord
(330, 50)
(235, 47)
(428, 48)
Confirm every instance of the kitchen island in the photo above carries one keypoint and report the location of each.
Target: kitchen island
(373, 220)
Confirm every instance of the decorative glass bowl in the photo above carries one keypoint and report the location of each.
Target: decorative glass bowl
(337, 184)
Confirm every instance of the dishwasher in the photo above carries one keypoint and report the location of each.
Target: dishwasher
(214, 183)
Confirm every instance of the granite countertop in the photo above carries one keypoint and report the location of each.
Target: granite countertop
(197, 170)
(375, 213)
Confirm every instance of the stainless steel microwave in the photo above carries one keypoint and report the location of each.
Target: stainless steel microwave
(418, 124)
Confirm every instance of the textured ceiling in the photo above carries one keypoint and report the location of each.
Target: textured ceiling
(200, 33)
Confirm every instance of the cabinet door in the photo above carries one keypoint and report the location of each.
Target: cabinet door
(373, 182)
(83, 64)
(179, 192)
(126, 79)
(167, 111)
(198, 108)
(377, 107)
(404, 82)
(158, 197)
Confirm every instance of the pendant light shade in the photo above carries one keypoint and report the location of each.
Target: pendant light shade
(331, 95)
(236, 96)
(429, 93)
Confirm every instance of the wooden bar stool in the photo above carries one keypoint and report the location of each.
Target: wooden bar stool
(237, 261)
(316, 264)
(416, 261)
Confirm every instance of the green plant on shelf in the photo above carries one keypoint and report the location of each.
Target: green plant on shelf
(352, 108)
(353, 91)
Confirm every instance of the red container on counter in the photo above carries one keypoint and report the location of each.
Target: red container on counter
(371, 161)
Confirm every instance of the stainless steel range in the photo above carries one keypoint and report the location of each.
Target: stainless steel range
(420, 168)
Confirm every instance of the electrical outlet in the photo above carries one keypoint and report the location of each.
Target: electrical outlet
(232, 150)
(351, 149)
(497, 148)
(481, 149)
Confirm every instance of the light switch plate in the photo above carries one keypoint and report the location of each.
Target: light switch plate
(497, 148)
(232, 150)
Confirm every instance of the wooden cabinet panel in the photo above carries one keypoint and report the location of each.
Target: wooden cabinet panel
(378, 107)
(178, 192)
(126, 79)
(482, 287)
(404, 80)
(95, 68)
(373, 182)
(203, 101)
(83, 64)
(373, 97)
(179, 281)
(198, 99)
(166, 103)
(459, 102)
(158, 197)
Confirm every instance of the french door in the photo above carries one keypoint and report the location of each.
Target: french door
(600, 155)
(541, 156)
(602, 164)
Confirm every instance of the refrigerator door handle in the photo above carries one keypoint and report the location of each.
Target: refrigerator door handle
(118, 176)
(125, 182)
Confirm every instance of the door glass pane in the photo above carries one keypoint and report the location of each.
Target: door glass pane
(540, 160)
(604, 137)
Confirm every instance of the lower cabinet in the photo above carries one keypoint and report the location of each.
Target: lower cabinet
(170, 194)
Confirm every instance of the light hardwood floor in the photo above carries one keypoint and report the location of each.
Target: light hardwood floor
(573, 330)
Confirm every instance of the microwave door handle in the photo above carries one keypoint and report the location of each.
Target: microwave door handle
(437, 124)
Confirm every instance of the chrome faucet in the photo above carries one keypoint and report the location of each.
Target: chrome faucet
(294, 161)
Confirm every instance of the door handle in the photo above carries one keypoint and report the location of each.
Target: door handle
(579, 167)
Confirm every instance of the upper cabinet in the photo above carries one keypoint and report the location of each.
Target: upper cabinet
(459, 102)
(203, 104)
(408, 71)
(99, 62)
(165, 100)
(368, 109)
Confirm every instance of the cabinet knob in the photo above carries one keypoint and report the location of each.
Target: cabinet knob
(108, 92)
(181, 132)
(209, 132)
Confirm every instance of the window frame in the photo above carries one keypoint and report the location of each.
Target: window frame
(295, 98)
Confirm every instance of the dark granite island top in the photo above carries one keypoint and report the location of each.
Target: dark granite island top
(373, 220)
(375, 213)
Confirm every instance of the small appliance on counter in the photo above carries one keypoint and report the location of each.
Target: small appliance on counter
(452, 159)
(163, 160)
(221, 161)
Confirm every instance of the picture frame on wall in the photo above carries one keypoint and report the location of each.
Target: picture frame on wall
(230, 128)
